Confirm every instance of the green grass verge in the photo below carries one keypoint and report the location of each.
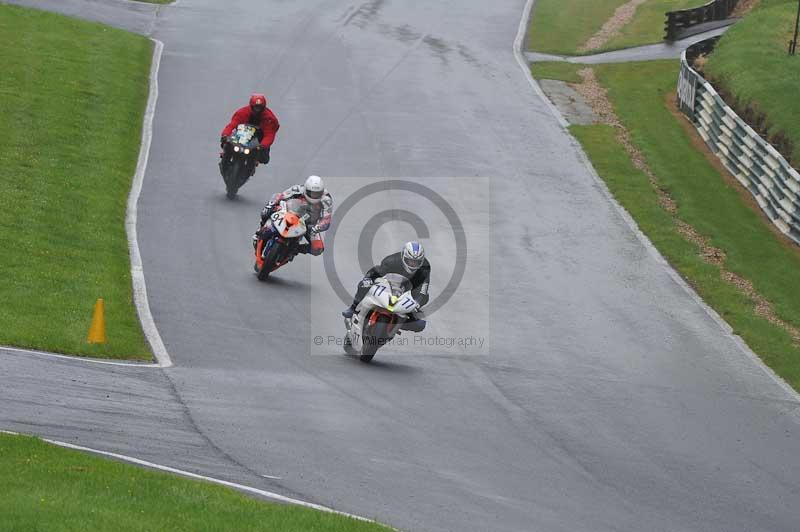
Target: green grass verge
(705, 200)
(648, 23)
(561, 26)
(72, 96)
(752, 63)
(54, 489)
(557, 70)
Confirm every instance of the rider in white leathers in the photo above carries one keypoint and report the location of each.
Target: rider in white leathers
(313, 193)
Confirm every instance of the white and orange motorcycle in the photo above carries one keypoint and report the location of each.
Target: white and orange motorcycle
(387, 308)
(280, 237)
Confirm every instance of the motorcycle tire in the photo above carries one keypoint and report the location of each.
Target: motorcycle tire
(371, 346)
(272, 257)
(248, 170)
(232, 181)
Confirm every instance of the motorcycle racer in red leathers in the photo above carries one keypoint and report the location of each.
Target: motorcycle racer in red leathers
(260, 116)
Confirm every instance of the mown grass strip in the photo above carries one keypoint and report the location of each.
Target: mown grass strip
(706, 201)
(72, 96)
(561, 26)
(751, 62)
(49, 488)
(556, 70)
(647, 25)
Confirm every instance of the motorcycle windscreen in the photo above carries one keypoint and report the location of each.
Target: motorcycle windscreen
(398, 283)
(243, 134)
(299, 207)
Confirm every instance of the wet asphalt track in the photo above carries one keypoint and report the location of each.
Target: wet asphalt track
(610, 399)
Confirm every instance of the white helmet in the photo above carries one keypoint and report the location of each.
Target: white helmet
(413, 257)
(314, 189)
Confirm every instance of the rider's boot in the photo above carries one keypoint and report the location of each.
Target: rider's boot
(416, 325)
(348, 312)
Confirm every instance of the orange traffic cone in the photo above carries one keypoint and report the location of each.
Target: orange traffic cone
(97, 331)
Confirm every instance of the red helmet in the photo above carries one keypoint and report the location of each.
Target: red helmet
(258, 101)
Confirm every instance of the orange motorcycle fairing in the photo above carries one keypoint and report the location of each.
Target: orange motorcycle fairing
(259, 251)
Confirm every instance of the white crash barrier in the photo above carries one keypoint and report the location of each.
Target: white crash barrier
(752, 160)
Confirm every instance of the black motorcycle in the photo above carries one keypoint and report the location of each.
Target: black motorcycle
(239, 158)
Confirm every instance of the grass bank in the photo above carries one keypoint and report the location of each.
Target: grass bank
(562, 26)
(49, 488)
(72, 96)
(706, 200)
(751, 64)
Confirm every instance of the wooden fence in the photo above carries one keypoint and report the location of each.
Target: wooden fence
(677, 21)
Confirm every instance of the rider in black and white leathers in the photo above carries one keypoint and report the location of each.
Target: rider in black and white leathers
(418, 275)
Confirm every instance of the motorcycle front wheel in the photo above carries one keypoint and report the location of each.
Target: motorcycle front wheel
(373, 340)
(272, 257)
(232, 178)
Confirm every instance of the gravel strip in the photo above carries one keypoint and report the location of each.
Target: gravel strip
(621, 17)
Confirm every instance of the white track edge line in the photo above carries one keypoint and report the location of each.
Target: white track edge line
(196, 476)
(526, 69)
(749, 353)
(77, 358)
(137, 273)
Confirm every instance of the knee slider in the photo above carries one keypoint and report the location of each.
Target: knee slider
(316, 247)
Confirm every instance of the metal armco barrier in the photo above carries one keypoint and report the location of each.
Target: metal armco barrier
(686, 18)
(752, 160)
